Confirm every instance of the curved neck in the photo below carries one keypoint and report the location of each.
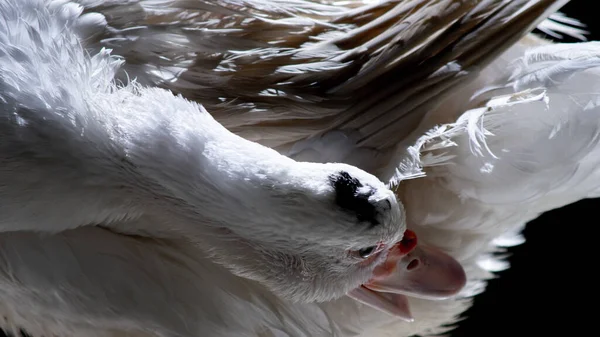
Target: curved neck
(194, 163)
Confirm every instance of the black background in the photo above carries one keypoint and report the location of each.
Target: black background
(551, 287)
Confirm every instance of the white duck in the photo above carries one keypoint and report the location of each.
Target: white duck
(108, 228)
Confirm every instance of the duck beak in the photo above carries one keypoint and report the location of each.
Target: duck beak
(411, 270)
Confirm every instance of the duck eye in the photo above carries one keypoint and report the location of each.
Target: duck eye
(366, 252)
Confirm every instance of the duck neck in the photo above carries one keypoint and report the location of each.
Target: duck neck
(210, 174)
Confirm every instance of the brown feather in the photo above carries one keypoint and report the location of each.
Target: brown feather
(280, 71)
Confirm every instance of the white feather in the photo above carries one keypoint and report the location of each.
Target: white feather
(504, 149)
(532, 147)
(127, 210)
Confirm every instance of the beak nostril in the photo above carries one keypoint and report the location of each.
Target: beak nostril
(413, 264)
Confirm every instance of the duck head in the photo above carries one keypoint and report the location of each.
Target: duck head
(340, 232)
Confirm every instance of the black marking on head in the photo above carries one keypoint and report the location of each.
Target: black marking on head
(349, 198)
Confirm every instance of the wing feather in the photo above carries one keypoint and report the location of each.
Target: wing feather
(279, 72)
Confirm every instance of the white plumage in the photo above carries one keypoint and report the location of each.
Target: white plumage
(107, 225)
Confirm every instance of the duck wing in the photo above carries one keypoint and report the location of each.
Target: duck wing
(280, 72)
